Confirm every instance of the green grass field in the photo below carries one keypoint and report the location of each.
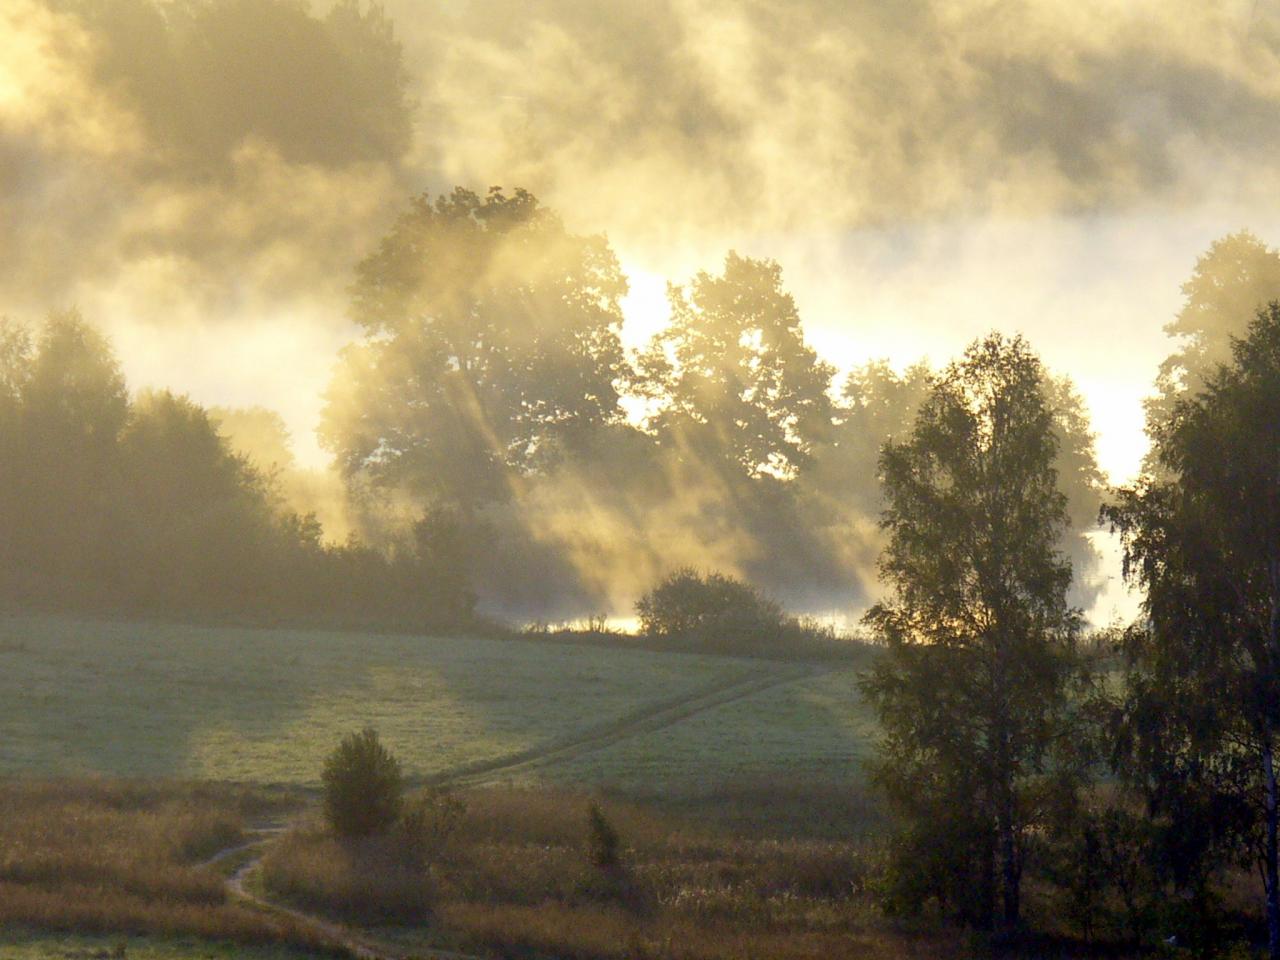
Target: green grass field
(806, 730)
(265, 705)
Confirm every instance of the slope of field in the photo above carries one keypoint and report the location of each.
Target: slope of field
(265, 706)
(815, 728)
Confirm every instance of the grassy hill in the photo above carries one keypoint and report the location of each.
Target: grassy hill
(260, 705)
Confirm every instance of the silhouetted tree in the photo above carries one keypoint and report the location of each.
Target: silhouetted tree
(732, 375)
(877, 405)
(491, 341)
(972, 690)
(711, 609)
(363, 786)
(1233, 279)
(1202, 536)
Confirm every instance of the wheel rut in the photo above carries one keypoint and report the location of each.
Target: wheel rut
(647, 719)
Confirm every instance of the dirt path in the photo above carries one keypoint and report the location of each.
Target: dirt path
(646, 719)
(358, 945)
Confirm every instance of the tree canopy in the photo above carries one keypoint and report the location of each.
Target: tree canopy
(491, 343)
(732, 374)
(1202, 537)
(972, 690)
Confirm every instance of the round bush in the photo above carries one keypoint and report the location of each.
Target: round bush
(363, 786)
(712, 609)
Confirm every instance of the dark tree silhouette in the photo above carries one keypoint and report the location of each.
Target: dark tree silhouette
(1202, 536)
(1236, 276)
(972, 690)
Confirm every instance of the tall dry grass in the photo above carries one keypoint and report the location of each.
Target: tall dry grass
(106, 856)
(513, 877)
(374, 880)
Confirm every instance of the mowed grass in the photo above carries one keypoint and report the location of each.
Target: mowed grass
(251, 705)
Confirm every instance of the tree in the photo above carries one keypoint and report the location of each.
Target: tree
(876, 405)
(732, 374)
(1202, 535)
(363, 786)
(972, 691)
(712, 609)
(1232, 280)
(74, 405)
(491, 342)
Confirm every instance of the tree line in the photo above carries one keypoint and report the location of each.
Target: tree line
(1136, 776)
(136, 504)
(491, 388)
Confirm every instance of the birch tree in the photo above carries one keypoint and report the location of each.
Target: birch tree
(973, 690)
(1202, 536)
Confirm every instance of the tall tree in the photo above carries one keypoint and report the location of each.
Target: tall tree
(732, 375)
(491, 343)
(1232, 280)
(1202, 536)
(972, 692)
(878, 404)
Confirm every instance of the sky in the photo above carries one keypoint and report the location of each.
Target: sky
(924, 171)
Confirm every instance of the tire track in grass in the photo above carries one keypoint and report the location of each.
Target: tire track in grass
(647, 719)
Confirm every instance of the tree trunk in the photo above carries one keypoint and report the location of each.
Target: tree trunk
(1010, 870)
(1271, 866)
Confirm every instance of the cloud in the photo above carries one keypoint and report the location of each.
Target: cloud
(656, 120)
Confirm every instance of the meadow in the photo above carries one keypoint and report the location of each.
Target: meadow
(123, 699)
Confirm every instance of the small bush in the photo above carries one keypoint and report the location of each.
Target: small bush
(604, 848)
(427, 823)
(363, 786)
(712, 609)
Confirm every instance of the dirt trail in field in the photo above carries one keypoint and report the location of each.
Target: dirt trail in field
(647, 719)
(358, 945)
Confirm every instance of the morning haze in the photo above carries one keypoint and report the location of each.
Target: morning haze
(689, 480)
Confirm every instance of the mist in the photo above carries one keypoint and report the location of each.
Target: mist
(922, 174)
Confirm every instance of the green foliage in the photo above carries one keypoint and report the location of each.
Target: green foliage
(1198, 731)
(363, 786)
(604, 846)
(1107, 864)
(972, 692)
(427, 821)
(711, 609)
(108, 503)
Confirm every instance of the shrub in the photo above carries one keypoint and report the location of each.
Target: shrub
(603, 844)
(428, 821)
(713, 609)
(363, 786)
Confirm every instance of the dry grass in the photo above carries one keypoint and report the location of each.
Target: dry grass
(514, 878)
(375, 880)
(125, 857)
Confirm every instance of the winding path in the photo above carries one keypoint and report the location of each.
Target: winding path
(647, 719)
